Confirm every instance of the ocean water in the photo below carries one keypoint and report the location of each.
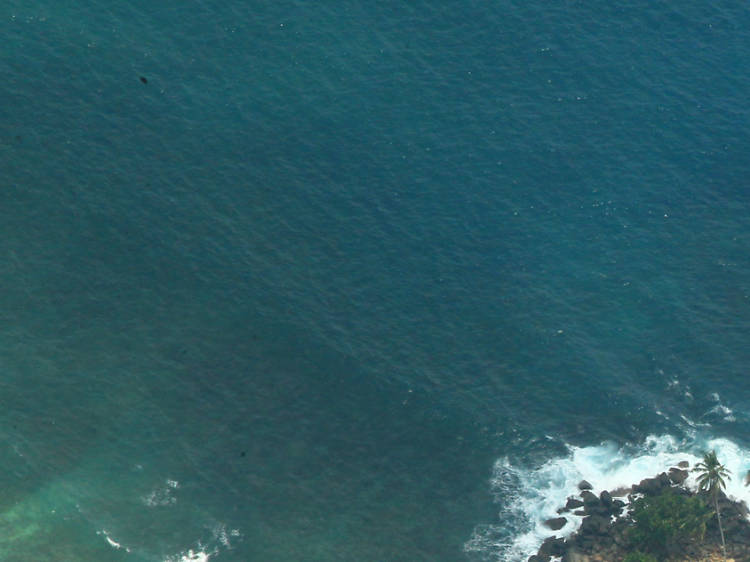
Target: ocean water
(362, 281)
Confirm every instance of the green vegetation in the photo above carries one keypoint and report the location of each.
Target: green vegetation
(639, 556)
(711, 481)
(661, 522)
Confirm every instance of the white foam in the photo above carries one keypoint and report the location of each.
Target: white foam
(162, 495)
(221, 539)
(195, 556)
(737, 461)
(720, 409)
(113, 543)
(222, 534)
(530, 497)
(191, 556)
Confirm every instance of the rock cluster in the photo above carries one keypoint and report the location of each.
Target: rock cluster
(602, 535)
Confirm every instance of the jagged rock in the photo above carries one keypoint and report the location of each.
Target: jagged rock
(652, 486)
(621, 492)
(677, 476)
(573, 503)
(598, 509)
(683, 464)
(552, 547)
(617, 507)
(584, 485)
(589, 498)
(606, 498)
(742, 508)
(580, 512)
(592, 505)
(594, 525)
(556, 523)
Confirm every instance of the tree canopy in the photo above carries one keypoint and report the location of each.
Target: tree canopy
(662, 522)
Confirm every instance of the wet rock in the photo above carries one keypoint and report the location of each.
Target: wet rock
(573, 503)
(589, 499)
(677, 476)
(552, 546)
(683, 464)
(742, 508)
(652, 486)
(594, 525)
(617, 507)
(556, 523)
(606, 499)
(584, 485)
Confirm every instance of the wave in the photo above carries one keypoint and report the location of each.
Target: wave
(528, 497)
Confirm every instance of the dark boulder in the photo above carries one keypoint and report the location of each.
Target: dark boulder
(647, 486)
(597, 509)
(556, 523)
(617, 506)
(573, 503)
(606, 498)
(652, 486)
(589, 498)
(594, 525)
(683, 464)
(552, 547)
(677, 476)
(584, 485)
(742, 508)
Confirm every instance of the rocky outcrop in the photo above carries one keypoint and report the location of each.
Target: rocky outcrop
(677, 476)
(653, 486)
(573, 503)
(552, 547)
(603, 533)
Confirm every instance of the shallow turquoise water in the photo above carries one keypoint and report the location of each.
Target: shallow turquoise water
(292, 298)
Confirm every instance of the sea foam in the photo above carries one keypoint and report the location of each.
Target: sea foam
(528, 497)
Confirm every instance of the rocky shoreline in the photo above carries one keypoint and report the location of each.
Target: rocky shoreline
(603, 534)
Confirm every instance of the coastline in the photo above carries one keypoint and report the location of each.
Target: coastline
(605, 532)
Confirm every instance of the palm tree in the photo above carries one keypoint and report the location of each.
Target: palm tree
(711, 480)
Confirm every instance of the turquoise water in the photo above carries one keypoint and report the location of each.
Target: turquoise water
(352, 282)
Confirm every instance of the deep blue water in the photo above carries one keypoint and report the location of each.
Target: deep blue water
(303, 294)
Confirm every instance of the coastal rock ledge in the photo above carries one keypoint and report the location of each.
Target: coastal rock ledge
(604, 532)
